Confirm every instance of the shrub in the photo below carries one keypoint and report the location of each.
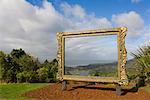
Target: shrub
(143, 59)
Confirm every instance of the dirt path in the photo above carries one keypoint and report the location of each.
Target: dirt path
(91, 92)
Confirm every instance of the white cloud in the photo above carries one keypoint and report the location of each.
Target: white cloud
(29, 27)
(146, 36)
(74, 10)
(135, 1)
(80, 20)
(132, 20)
(23, 25)
(26, 26)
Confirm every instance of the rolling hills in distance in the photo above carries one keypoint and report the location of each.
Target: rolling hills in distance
(103, 69)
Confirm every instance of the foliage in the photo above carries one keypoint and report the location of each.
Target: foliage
(132, 77)
(8, 68)
(27, 76)
(47, 71)
(143, 59)
(16, 53)
(95, 74)
(21, 67)
(2, 64)
(110, 74)
(43, 74)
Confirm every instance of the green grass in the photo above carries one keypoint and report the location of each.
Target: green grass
(14, 91)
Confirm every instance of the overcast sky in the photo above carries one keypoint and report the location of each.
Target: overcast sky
(32, 24)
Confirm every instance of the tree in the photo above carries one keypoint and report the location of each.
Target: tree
(27, 76)
(29, 66)
(13, 61)
(53, 70)
(18, 66)
(2, 64)
(43, 74)
(17, 53)
(27, 63)
(8, 68)
(48, 71)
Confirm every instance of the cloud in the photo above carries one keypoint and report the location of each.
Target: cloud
(146, 36)
(29, 27)
(85, 50)
(135, 1)
(23, 25)
(34, 29)
(74, 10)
(132, 20)
(80, 20)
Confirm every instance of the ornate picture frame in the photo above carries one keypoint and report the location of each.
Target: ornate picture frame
(121, 79)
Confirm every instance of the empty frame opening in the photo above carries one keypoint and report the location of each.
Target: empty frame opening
(91, 56)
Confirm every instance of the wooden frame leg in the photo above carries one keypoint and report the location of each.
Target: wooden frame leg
(64, 85)
(118, 89)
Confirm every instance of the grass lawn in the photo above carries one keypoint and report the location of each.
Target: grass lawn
(13, 91)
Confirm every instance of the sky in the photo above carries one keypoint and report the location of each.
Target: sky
(32, 24)
(90, 50)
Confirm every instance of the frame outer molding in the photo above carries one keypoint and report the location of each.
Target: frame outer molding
(59, 56)
(122, 53)
(123, 56)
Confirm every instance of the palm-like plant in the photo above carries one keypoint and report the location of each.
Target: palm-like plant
(143, 59)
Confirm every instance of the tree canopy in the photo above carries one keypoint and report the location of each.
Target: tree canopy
(18, 66)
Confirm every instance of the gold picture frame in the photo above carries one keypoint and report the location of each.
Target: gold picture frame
(121, 79)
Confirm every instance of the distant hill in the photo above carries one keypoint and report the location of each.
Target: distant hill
(103, 68)
(131, 67)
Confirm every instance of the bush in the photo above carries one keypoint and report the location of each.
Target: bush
(43, 74)
(143, 59)
(21, 67)
(132, 77)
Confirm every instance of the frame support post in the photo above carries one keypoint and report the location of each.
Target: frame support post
(118, 89)
(64, 85)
